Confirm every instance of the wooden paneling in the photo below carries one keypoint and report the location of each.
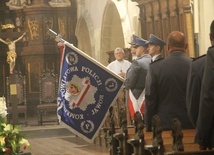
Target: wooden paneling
(157, 19)
(160, 17)
(34, 69)
(37, 51)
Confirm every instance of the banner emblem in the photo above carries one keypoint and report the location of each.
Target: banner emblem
(87, 89)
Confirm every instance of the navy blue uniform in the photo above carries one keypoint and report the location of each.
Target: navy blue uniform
(166, 90)
(195, 76)
(205, 122)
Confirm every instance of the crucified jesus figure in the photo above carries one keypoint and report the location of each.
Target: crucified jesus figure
(11, 54)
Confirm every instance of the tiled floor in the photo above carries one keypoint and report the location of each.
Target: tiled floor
(53, 139)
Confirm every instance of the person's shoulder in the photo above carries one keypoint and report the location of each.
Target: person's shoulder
(157, 61)
(144, 58)
(199, 58)
(210, 49)
(136, 61)
(111, 63)
(126, 61)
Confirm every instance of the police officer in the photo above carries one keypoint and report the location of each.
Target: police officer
(136, 74)
(166, 85)
(155, 47)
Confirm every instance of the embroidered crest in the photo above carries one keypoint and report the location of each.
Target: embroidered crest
(80, 93)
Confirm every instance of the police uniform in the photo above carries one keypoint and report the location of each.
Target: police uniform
(157, 41)
(136, 74)
(194, 87)
(166, 90)
(134, 39)
(205, 122)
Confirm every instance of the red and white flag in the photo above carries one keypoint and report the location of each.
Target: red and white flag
(135, 105)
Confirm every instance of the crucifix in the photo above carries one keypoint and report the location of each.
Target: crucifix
(8, 37)
(11, 54)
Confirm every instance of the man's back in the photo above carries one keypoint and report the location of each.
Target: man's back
(195, 76)
(166, 90)
(205, 122)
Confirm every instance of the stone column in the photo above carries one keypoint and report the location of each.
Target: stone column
(188, 19)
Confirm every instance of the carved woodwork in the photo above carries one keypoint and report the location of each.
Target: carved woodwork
(175, 142)
(112, 141)
(157, 19)
(48, 83)
(157, 140)
(137, 142)
(177, 135)
(160, 17)
(38, 51)
(173, 15)
(18, 89)
(149, 19)
(139, 135)
(123, 147)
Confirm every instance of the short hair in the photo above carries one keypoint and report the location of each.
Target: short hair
(117, 49)
(212, 28)
(176, 39)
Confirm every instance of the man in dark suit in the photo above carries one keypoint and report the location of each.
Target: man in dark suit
(166, 85)
(205, 123)
(155, 47)
(195, 76)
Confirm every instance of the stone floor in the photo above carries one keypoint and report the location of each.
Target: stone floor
(53, 139)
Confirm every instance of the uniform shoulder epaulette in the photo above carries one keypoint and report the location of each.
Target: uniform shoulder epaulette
(194, 59)
(157, 60)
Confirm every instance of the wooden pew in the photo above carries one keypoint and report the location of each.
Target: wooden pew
(183, 144)
(121, 135)
(134, 140)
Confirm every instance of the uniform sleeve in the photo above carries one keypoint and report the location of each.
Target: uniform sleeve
(206, 111)
(132, 75)
(151, 98)
(192, 91)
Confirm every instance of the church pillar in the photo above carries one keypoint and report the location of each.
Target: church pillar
(189, 25)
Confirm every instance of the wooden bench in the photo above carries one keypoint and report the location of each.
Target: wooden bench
(118, 136)
(134, 140)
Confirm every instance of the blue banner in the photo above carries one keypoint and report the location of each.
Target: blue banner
(86, 91)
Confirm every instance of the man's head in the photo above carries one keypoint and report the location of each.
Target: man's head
(212, 33)
(141, 47)
(133, 43)
(8, 40)
(155, 45)
(176, 42)
(119, 54)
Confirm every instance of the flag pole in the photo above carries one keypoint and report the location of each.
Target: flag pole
(58, 38)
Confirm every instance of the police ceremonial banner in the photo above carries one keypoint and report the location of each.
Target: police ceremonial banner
(86, 91)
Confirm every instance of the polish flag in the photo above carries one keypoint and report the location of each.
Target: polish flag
(135, 105)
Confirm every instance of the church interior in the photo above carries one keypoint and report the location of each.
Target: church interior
(96, 27)
(97, 35)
